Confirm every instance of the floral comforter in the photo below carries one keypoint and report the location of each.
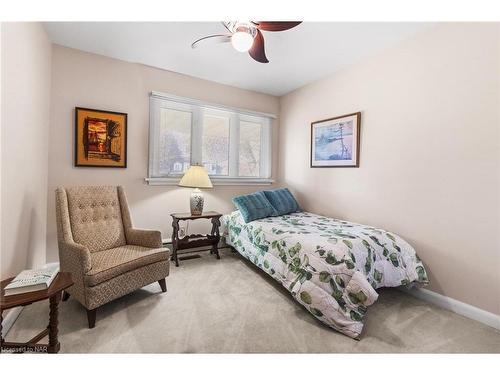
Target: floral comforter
(332, 267)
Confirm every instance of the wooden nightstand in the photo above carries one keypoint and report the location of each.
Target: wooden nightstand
(195, 240)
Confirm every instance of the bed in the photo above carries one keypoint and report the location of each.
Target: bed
(332, 267)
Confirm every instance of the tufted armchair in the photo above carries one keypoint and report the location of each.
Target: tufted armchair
(106, 256)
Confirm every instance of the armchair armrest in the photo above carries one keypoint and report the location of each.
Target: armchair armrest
(75, 257)
(143, 237)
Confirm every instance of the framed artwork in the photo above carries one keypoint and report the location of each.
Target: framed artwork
(100, 138)
(335, 141)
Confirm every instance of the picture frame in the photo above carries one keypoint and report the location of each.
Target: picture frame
(335, 142)
(100, 138)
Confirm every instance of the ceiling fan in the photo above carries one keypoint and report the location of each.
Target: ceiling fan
(247, 36)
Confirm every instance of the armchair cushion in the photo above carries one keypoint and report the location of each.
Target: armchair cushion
(107, 264)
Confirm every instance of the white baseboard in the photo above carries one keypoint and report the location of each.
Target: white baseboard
(9, 319)
(456, 306)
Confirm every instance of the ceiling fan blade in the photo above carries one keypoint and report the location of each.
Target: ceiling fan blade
(226, 25)
(276, 25)
(211, 39)
(257, 50)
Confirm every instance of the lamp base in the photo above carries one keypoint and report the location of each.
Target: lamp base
(196, 202)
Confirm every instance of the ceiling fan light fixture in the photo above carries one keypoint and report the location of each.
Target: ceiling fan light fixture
(247, 36)
(242, 41)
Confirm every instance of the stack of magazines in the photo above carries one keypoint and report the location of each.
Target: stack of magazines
(33, 280)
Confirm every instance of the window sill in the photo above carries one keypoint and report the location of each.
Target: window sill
(220, 181)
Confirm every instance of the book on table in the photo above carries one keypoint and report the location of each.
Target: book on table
(33, 280)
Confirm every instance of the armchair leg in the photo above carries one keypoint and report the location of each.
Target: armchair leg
(91, 314)
(163, 285)
(65, 295)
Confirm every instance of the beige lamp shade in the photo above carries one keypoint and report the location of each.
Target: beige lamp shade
(196, 177)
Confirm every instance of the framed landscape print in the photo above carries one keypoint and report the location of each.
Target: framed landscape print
(335, 141)
(100, 138)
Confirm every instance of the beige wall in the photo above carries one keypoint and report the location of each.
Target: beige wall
(88, 80)
(26, 60)
(429, 153)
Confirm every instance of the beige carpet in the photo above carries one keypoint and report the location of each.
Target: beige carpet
(229, 306)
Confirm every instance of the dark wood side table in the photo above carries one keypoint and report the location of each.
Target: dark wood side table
(53, 293)
(195, 240)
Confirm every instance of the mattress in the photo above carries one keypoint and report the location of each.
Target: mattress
(332, 267)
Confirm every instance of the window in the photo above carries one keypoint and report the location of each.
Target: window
(174, 141)
(234, 146)
(249, 158)
(215, 144)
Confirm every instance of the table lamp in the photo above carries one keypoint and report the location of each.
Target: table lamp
(196, 177)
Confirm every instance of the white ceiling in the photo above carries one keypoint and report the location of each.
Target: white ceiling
(298, 56)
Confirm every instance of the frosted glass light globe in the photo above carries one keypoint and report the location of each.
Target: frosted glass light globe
(242, 41)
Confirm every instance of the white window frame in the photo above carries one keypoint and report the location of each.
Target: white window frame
(197, 108)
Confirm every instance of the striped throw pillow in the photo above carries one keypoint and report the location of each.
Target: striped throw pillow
(254, 206)
(282, 201)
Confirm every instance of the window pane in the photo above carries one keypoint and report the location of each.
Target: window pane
(175, 141)
(215, 149)
(249, 160)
